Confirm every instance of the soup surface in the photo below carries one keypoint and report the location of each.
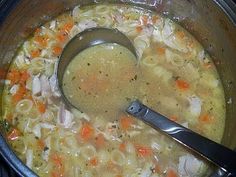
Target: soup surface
(173, 75)
(104, 74)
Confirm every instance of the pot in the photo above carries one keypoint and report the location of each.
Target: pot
(212, 22)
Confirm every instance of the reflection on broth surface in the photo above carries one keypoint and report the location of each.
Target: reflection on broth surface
(174, 76)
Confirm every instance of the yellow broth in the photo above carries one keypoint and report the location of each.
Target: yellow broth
(174, 76)
(101, 79)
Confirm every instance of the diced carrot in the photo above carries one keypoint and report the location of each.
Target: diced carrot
(19, 94)
(67, 27)
(93, 161)
(122, 147)
(171, 173)
(57, 160)
(180, 34)
(14, 76)
(144, 19)
(161, 50)
(35, 53)
(24, 77)
(139, 29)
(41, 144)
(100, 140)
(37, 31)
(155, 18)
(41, 107)
(182, 85)
(57, 50)
(206, 118)
(13, 135)
(58, 172)
(61, 37)
(126, 122)
(173, 118)
(86, 132)
(143, 151)
(42, 40)
(208, 65)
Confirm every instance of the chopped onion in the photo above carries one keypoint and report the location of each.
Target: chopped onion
(189, 166)
(45, 86)
(65, 117)
(29, 158)
(36, 86)
(14, 89)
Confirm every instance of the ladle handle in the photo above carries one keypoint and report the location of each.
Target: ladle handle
(214, 152)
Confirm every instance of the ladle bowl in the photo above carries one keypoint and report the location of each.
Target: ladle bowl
(83, 40)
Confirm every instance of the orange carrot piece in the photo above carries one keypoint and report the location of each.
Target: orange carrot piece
(126, 122)
(42, 40)
(182, 85)
(139, 29)
(13, 135)
(93, 161)
(38, 31)
(41, 107)
(67, 27)
(206, 118)
(57, 159)
(19, 94)
(144, 19)
(41, 144)
(122, 147)
(173, 118)
(13, 76)
(171, 173)
(57, 50)
(161, 50)
(180, 34)
(100, 141)
(86, 132)
(35, 53)
(208, 65)
(144, 151)
(24, 77)
(61, 37)
(155, 18)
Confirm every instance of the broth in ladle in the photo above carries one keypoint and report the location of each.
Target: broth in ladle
(101, 79)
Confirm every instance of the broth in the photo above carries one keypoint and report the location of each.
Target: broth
(173, 75)
(101, 79)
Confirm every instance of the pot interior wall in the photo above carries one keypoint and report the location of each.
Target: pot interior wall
(204, 19)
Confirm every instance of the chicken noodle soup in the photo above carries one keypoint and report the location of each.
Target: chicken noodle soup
(174, 76)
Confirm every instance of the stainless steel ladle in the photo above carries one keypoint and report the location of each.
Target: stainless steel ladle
(212, 151)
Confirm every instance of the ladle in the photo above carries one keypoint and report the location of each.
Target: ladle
(212, 151)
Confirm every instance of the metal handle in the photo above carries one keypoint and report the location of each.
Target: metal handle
(214, 152)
